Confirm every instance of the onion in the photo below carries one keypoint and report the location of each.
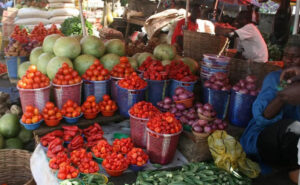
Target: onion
(160, 104)
(251, 86)
(215, 87)
(173, 110)
(175, 98)
(166, 106)
(202, 122)
(225, 124)
(167, 100)
(178, 114)
(226, 88)
(173, 105)
(207, 114)
(243, 91)
(183, 119)
(236, 88)
(214, 127)
(191, 116)
(180, 106)
(183, 96)
(198, 129)
(208, 107)
(207, 129)
(243, 83)
(185, 112)
(213, 114)
(207, 84)
(220, 76)
(218, 121)
(179, 90)
(189, 94)
(200, 110)
(219, 83)
(221, 127)
(198, 105)
(251, 79)
(253, 93)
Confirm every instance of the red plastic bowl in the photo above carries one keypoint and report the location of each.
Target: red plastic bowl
(108, 113)
(52, 123)
(90, 115)
(187, 102)
(114, 173)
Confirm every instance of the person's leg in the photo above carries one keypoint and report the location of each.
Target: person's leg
(277, 145)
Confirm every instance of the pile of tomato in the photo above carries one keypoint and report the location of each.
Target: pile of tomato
(107, 105)
(123, 145)
(143, 109)
(90, 105)
(3, 68)
(38, 33)
(178, 70)
(33, 79)
(31, 115)
(66, 76)
(133, 82)
(20, 35)
(67, 172)
(123, 69)
(60, 159)
(102, 149)
(71, 109)
(164, 123)
(154, 70)
(115, 161)
(96, 72)
(137, 156)
(50, 112)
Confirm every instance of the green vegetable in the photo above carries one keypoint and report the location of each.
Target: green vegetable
(71, 182)
(72, 26)
(95, 179)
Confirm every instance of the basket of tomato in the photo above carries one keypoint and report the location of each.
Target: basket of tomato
(51, 114)
(34, 89)
(71, 112)
(90, 108)
(96, 81)
(31, 119)
(137, 159)
(163, 133)
(107, 107)
(115, 164)
(119, 72)
(67, 86)
(139, 117)
(131, 90)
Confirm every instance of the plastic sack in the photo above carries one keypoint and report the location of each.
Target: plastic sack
(32, 13)
(64, 12)
(62, 5)
(58, 19)
(32, 21)
(228, 154)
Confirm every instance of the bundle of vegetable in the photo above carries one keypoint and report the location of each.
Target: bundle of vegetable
(84, 161)
(72, 26)
(123, 145)
(133, 82)
(164, 123)
(193, 173)
(102, 149)
(204, 126)
(19, 39)
(33, 79)
(218, 81)
(66, 75)
(182, 94)
(247, 86)
(54, 30)
(206, 112)
(178, 70)
(96, 72)
(153, 70)
(123, 69)
(71, 182)
(143, 109)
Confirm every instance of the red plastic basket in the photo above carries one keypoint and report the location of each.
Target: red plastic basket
(138, 131)
(161, 148)
(114, 173)
(34, 97)
(63, 93)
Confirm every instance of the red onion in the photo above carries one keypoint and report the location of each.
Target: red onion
(180, 106)
(173, 110)
(215, 87)
(251, 79)
(198, 105)
(200, 110)
(220, 76)
(207, 129)
(167, 100)
(183, 119)
(213, 114)
(202, 122)
(243, 91)
(208, 107)
(166, 106)
(198, 129)
(183, 96)
(214, 127)
(179, 90)
(207, 114)
(221, 127)
(218, 121)
(236, 88)
(251, 86)
(207, 84)
(242, 83)
(178, 114)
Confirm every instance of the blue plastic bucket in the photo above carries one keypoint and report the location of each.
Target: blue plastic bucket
(114, 90)
(12, 64)
(96, 88)
(175, 83)
(127, 98)
(215, 61)
(240, 108)
(218, 99)
(157, 90)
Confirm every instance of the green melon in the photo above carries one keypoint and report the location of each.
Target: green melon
(25, 135)
(34, 55)
(133, 63)
(43, 62)
(143, 56)
(56, 63)
(49, 42)
(110, 60)
(83, 62)
(164, 52)
(193, 65)
(67, 47)
(23, 68)
(115, 46)
(13, 143)
(92, 45)
(9, 125)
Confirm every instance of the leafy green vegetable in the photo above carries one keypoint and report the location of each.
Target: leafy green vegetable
(72, 26)
(71, 182)
(95, 179)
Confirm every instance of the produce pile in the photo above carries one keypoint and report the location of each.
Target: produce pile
(139, 47)
(3, 69)
(193, 173)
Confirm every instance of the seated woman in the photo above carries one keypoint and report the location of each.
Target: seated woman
(271, 135)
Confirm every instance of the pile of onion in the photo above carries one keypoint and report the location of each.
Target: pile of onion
(218, 81)
(204, 126)
(247, 86)
(207, 111)
(182, 94)
(189, 116)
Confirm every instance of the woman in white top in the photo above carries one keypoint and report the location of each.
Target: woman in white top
(251, 43)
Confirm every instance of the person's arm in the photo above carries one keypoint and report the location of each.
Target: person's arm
(273, 108)
(291, 94)
(176, 32)
(245, 32)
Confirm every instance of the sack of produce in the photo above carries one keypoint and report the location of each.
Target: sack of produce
(64, 12)
(58, 19)
(32, 13)
(61, 5)
(32, 21)
(228, 154)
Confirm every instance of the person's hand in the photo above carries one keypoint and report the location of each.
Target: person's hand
(291, 74)
(291, 94)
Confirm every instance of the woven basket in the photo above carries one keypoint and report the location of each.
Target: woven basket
(15, 167)
(239, 69)
(196, 44)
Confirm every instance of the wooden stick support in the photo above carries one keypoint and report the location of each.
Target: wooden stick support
(84, 33)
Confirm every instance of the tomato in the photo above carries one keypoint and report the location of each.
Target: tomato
(137, 156)
(164, 123)
(31, 115)
(91, 99)
(123, 145)
(132, 82)
(143, 109)
(115, 161)
(66, 76)
(95, 72)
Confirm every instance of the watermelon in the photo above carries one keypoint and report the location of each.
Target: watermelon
(25, 135)
(143, 56)
(1, 141)
(164, 52)
(67, 47)
(49, 42)
(110, 60)
(136, 56)
(13, 143)
(92, 45)
(115, 46)
(193, 65)
(56, 63)
(23, 68)
(34, 55)
(77, 37)
(83, 62)
(43, 62)
(9, 125)
(133, 63)
(166, 62)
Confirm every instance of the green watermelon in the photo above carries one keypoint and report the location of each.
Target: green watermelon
(25, 135)
(43, 62)
(92, 45)
(133, 63)
(56, 63)
(34, 55)
(49, 42)
(143, 56)
(83, 62)
(164, 52)
(23, 68)
(67, 47)
(13, 143)
(110, 60)
(115, 46)
(9, 125)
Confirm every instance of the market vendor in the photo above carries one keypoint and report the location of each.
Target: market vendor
(251, 45)
(273, 133)
(177, 37)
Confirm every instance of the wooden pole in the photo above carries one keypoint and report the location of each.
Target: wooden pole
(296, 21)
(84, 33)
(187, 8)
